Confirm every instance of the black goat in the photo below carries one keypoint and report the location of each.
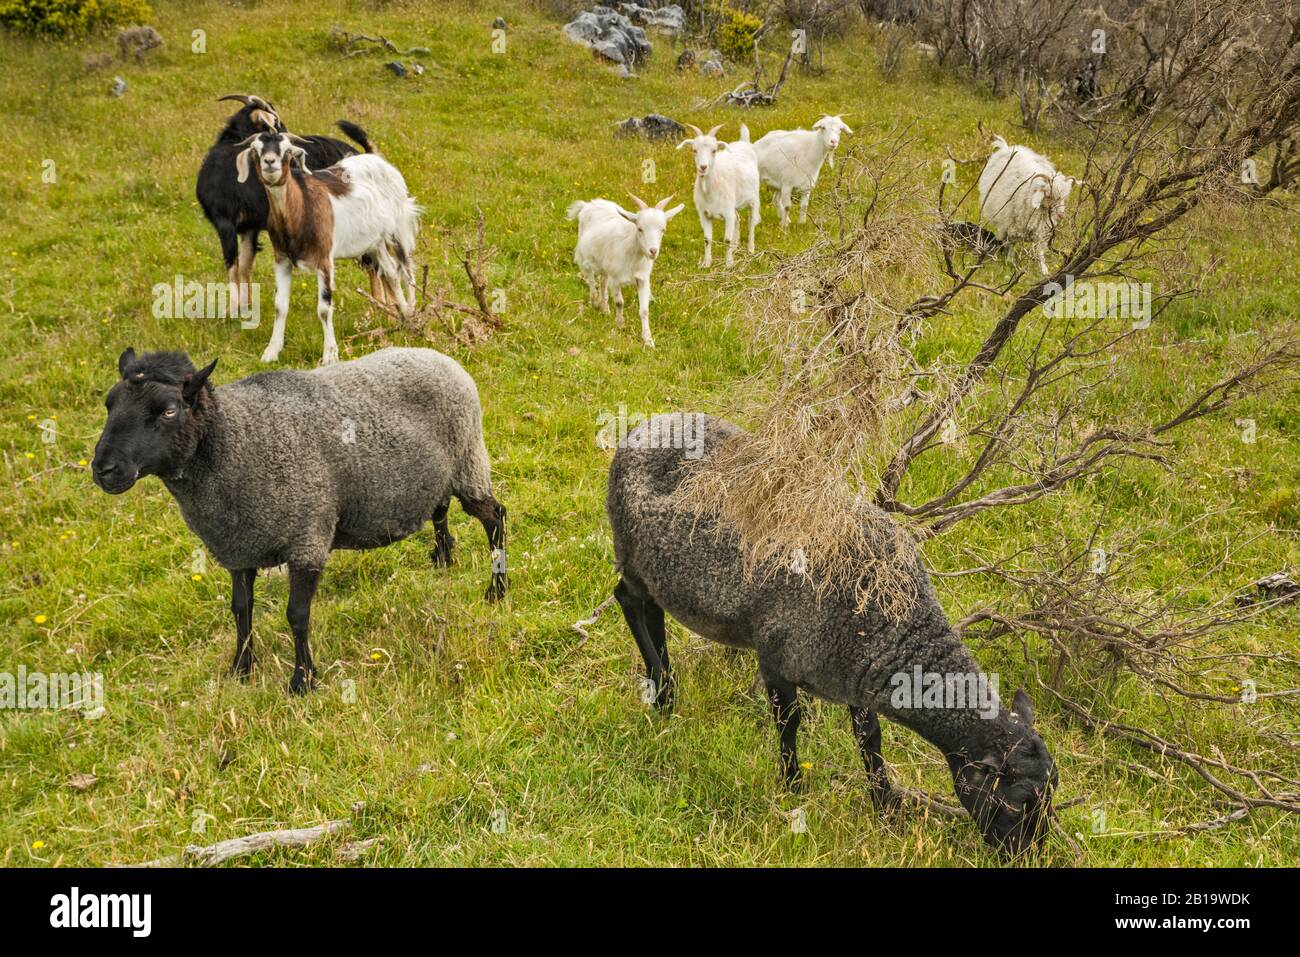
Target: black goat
(238, 211)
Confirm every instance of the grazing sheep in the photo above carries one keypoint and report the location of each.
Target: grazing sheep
(616, 247)
(1022, 196)
(238, 211)
(790, 160)
(672, 559)
(357, 209)
(726, 181)
(283, 467)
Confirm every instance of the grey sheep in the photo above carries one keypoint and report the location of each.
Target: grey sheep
(283, 467)
(672, 559)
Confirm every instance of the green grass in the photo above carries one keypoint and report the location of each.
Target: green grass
(461, 708)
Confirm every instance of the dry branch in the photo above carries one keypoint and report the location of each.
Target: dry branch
(213, 854)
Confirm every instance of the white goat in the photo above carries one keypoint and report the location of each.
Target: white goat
(358, 208)
(616, 247)
(790, 160)
(1022, 196)
(726, 181)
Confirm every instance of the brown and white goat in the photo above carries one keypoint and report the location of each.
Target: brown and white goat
(357, 209)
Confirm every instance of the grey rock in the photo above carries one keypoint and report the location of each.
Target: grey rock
(500, 24)
(395, 68)
(654, 126)
(118, 88)
(666, 19)
(611, 35)
(1277, 587)
(713, 68)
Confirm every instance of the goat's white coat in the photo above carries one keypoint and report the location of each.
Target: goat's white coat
(1022, 196)
(375, 216)
(617, 247)
(790, 160)
(726, 181)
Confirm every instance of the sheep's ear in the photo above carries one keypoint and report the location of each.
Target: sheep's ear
(1023, 708)
(686, 143)
(674, 211)
(241, 164)
(630, 217)
(193, 383)
(124, 360)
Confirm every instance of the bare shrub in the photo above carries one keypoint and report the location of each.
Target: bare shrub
(856, 393)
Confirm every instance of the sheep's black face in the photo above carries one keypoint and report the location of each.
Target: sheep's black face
(150, 428)
(1009, 796)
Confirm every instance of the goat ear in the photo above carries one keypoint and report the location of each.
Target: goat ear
(722, 145)
(241, 164)
(1023, 708)
(630, 217)
(686, 143)
(124, 360)
(674, 211)
(300, 154)
(193, 383)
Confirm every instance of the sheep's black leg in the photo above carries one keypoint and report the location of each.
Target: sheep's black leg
(443, 541)
(646, 621)
(241, 605)
(493, 516)
(866, 729)
(783, 698)
(666, 687)
(302, 588)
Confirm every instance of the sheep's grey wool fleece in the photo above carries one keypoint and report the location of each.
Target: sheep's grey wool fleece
(352, 455)
(694, 570)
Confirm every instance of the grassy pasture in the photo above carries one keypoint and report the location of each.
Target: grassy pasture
(435, 709)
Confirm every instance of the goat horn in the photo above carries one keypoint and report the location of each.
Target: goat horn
(663, 203)
(249, 100)
(695, 129)
(640, 203)
(266, 118)
(716, 128)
